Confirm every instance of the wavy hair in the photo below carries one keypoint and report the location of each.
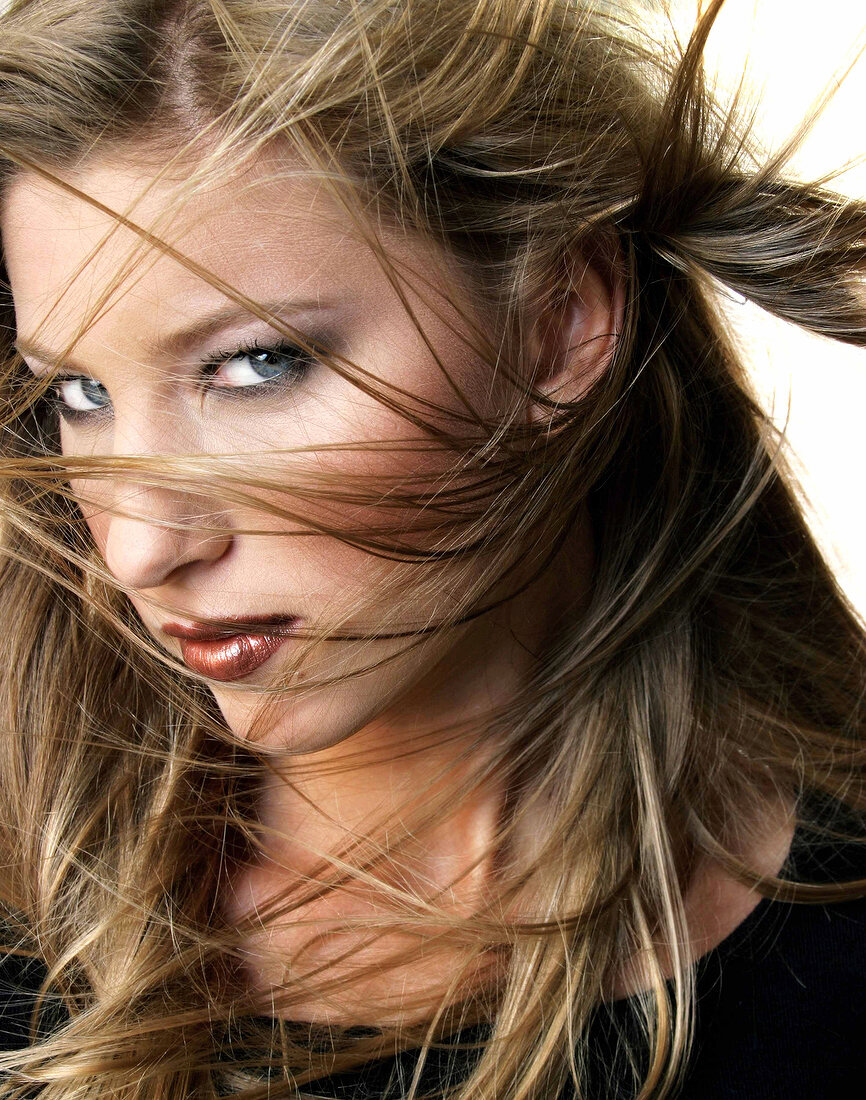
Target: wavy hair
(715, 663)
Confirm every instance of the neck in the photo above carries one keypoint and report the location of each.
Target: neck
(419, 779)
(315, 820)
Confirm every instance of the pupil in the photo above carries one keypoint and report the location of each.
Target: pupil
(265, 365)
(92, 390)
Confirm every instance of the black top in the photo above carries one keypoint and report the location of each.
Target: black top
(781, 1009)
(781, 1002)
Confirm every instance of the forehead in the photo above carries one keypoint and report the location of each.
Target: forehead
(261, 235)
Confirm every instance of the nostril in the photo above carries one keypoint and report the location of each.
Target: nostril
(143, 546)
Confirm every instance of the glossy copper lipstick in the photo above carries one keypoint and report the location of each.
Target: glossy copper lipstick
(230, 654)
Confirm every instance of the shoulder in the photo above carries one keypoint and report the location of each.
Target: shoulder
(781, 1009)
(780, 1002)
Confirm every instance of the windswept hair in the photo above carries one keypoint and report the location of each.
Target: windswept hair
(716, 665)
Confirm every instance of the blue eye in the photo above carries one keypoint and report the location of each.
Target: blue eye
(81, 395)
(254, 366)
(246, 369)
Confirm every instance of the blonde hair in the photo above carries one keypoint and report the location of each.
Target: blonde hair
(716, 661)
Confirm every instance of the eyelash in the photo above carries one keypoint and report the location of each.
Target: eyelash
(300, 362)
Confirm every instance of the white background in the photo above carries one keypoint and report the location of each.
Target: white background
(795, 51)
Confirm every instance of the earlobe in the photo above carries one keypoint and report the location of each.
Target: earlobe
(575, 340)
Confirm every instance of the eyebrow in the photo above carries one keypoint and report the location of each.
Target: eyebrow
(189, 335)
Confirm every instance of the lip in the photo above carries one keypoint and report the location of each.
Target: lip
(223, 653)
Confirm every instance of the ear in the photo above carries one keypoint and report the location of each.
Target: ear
(574, 340)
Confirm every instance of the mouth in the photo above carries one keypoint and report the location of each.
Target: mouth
(234, 651)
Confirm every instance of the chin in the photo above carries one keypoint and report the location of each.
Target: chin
(317, 718)
(306, 722)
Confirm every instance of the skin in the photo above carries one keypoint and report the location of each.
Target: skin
(271, 241)
(275, 240)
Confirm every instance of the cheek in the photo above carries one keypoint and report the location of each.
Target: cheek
(361, 469)
(381, 493)
(91, 497)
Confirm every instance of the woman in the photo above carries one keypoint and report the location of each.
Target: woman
(419, 676)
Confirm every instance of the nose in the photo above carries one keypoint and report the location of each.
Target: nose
(147, 531)
(151, 533)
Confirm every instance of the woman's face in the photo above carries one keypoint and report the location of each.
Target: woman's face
(172, 365)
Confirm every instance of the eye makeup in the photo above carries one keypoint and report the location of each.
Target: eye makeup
(253, 370)
(255, 367)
